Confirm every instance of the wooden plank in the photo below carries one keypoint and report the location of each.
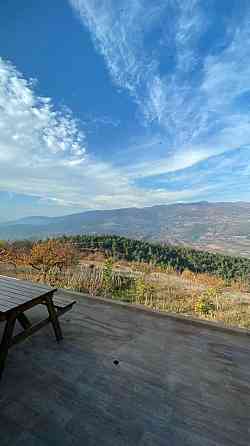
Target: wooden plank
(20, 293)
(5, 291)
(4, 299)
(7, 302)
(61, 301)
(16, 300)
(53, 318)
(29, 331)
(15, 293)
(23, 321)
(11, 302)
(67, 307)
(2, 316)
(20, 289)
(12, 280)
(22, 286)
(20, 296)
(6, 341)
(14, 307)
(30, 303)
(35, 327)
(2, 308)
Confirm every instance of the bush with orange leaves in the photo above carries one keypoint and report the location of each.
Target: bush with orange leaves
(50, 255)
(13, 255)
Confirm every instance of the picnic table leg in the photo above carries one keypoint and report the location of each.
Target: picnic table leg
(53, 318)
(5, 344)
(23, 320)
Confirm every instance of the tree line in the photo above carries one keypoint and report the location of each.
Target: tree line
(63, 251)
(177, 257)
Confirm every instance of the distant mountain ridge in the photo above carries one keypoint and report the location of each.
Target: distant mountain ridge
(33, 220)
(223, 227)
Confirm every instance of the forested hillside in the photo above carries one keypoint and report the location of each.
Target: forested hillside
(179, 258)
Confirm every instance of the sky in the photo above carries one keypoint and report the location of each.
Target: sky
(122, 103)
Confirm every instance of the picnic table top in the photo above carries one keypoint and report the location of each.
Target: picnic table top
(18, 294)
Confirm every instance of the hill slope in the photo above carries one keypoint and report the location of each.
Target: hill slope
(221, 227)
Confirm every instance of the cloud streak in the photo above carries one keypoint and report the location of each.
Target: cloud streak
(44, 153)
(192, 98)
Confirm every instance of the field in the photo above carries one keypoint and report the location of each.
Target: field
(187, 293)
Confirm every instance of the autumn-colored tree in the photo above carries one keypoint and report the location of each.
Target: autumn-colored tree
(47, 255)
(12, 255)
(4, 254)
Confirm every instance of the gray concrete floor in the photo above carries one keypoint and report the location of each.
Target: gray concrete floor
(176, 384)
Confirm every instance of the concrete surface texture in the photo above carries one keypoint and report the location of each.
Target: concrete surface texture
(126, 377)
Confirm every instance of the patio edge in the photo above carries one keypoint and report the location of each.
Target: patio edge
(217, 326)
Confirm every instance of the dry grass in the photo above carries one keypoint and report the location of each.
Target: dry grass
(234, 314)
(84, 279)
(225, 309)
(203, 279)
(240, 285)
(188, 294)
(171, 300)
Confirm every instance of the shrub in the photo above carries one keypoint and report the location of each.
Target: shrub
(107, 275)
(205, 303)
(51, 255)
(144, 292)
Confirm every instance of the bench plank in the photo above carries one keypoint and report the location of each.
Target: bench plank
(62, 302)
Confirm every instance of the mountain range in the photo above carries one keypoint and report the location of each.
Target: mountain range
(221, 227)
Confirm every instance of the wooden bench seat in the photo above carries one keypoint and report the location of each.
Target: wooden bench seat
(62, 304)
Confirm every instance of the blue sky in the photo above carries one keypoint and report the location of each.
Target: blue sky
(114, 103)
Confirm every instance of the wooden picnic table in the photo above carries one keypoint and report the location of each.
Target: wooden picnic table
(17, 296)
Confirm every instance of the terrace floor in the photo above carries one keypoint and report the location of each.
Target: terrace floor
(176, 384)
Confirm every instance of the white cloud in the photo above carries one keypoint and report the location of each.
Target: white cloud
(32, 132)
(43, 153)
(178, 161)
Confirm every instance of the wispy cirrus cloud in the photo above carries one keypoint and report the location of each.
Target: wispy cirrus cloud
(230, 169)
(118, 30)
(121, 31)
(191, 81)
